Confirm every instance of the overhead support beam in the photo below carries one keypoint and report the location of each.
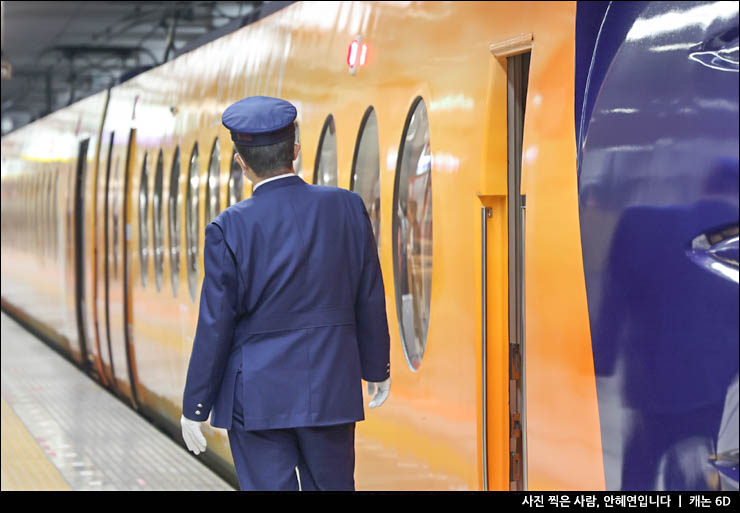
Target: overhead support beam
(123, 52)
(74, 49)
(171, 38)
(7, 68)
(48, 94)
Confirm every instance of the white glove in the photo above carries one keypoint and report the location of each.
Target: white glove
(192, 435)
(384, 388)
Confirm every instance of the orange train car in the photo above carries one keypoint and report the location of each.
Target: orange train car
(455, 123)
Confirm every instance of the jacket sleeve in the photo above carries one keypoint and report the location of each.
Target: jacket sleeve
(370, 316)
(215, 330)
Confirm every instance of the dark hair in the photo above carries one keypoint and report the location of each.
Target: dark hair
(266, 161)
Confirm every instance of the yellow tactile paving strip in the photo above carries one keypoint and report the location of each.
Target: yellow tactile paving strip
(24, 464)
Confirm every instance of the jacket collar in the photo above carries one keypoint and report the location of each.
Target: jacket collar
(277, 184)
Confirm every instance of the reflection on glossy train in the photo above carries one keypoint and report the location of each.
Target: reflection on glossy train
(553, 188)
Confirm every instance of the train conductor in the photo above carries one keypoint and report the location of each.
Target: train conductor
(292, 317)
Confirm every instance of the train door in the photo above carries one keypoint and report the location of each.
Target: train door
(503, 407)
(113, 166)
(116, 283)
(518, 75)
(79, 251)
(89, 253)
(128, 349)
(71, 331)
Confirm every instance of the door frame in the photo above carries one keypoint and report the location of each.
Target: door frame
(499, 357)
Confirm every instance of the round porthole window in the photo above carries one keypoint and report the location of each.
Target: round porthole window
(191, 221)
(365, 179)
(143, 225)
(412, 234)
(157, 228)
(174, 221)
(325, 170)
(213, 206)
(236, 181)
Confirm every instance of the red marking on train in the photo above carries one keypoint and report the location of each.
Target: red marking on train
(356, 54)
(352, 54)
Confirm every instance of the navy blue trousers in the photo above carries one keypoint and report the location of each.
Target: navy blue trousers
(267, 459)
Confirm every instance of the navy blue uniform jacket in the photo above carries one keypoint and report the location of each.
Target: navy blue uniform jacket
(293, 298)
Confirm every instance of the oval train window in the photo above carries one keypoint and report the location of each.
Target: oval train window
(157, 229)
(143, 224)
(38, 214)
(114, 190)
(412, 234)
(39, 206)
(49, 222)
(174, 221)
(325, 170)
(191, 221)
(41, 212)
(236, 180)
(365, 179)
(55, 243)
(213, 184)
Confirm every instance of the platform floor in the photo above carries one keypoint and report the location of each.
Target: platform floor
(62, 431)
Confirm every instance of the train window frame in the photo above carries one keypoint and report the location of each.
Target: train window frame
(31, 211)
(373, 213)
(47, 214)
(157, 225)
(174, 202)
(33, 202)
(413, 360)
(143, 220)
(192, 220)
(42, 211)
(37, 188)
(56, 214)
(23, 209)
(116, 217)
(329, 125)
(39, 206)
(213, 185)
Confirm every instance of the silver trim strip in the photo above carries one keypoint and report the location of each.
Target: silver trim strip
(484, 343)
(523, 350)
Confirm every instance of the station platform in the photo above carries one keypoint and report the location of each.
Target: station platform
(62, 431)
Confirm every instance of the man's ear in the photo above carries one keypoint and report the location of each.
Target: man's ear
(239, 160)
(296, 150)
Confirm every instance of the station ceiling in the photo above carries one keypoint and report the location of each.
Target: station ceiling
(56, 53)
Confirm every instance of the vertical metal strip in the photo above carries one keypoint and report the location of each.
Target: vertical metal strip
(79, 249)
(127, 289)
(484, 343)
(524, 354)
